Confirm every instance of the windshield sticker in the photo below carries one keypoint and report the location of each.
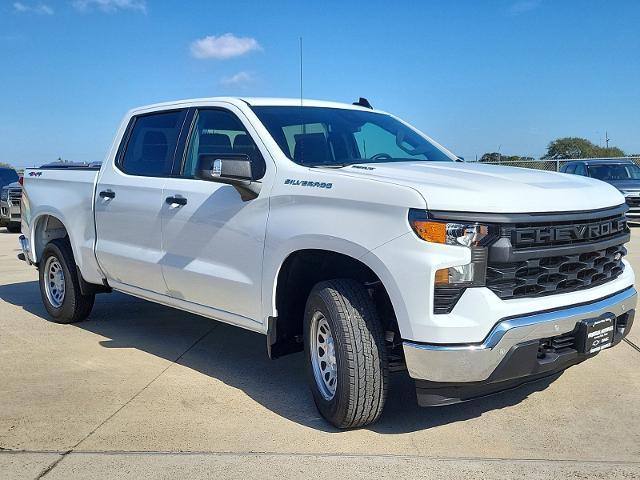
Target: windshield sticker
(307, 183)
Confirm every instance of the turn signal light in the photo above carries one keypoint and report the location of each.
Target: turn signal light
(442, 276)
(435, 232)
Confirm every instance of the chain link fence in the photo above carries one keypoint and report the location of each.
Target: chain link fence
(553, 165)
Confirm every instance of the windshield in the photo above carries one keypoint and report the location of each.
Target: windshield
(7, 176)
(616, 171)
(317, 136)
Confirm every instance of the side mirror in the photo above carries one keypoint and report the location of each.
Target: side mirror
(232, 169)
(225, 167)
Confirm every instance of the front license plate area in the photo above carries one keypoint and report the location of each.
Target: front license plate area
(596, 334)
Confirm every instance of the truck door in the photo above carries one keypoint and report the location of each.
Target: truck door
(129, 202)
(213, 238)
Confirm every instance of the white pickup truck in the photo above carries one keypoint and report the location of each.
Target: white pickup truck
(342, 231)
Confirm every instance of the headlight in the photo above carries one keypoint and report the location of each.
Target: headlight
(475, 236)
(463, 234)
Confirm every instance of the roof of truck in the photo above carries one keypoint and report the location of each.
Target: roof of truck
(257, 101)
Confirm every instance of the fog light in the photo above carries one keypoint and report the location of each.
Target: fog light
(472, 274)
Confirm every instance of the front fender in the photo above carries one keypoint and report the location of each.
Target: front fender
(278, 255)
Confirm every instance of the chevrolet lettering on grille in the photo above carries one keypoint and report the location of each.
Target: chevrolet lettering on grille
(593, 231)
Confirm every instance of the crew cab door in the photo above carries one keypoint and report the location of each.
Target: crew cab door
(213, 238)
(129, 202)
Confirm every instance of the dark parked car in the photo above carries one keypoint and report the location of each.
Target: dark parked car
(10, 193)
(622, 174)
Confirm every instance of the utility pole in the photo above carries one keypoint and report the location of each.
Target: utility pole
(606, 139)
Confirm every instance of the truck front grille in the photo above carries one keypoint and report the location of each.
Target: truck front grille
(556, 274)
(633, 201)
(15, 194)
(539, 254)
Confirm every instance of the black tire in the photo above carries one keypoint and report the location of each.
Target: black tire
(360, 353)
(74, 307)
(14, 227)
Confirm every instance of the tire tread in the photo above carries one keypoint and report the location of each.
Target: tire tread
(364, 345)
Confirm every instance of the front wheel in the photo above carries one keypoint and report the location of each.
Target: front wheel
(59, 284)
(345, 353)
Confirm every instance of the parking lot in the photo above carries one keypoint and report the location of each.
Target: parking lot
(144, 390)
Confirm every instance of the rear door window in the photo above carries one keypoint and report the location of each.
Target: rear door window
(152, 144)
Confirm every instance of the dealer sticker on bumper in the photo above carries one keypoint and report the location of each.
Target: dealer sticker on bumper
(597, 334)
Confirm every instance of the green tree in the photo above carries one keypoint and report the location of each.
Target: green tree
(609, 152)
(570, 147)
(5, 165)
(576, 147)
(490, 157)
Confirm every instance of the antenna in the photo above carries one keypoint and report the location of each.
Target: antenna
(304, 126)
(301, 78)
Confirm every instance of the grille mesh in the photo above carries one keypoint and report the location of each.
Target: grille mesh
(15, 195)
(560, 274)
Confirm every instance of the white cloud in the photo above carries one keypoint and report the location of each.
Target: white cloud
(111, 5)
(39, 9)
(523, 6)
(223, 47)
(239, 78)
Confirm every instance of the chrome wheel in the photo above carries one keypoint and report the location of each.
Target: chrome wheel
(323, 356)
(54, 285)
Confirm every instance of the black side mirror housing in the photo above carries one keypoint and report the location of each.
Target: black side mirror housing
(218, 167)
(232, 169)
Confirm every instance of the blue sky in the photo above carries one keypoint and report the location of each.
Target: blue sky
(476, 76)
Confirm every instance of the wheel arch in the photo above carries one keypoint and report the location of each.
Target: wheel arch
(293, 280)
(47, 227)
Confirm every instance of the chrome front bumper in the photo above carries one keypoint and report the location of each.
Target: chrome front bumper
(476, 362)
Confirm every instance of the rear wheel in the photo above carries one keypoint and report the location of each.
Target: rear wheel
(59, 285)
(345, 353)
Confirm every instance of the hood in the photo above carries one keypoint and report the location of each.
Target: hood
(13, 185)
(633, 185)
(477, 187)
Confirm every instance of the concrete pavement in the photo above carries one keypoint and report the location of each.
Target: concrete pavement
(144, 390)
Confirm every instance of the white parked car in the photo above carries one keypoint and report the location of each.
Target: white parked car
(342, 231)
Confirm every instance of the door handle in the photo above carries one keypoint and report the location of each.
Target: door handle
(181, 201)
(108, 194)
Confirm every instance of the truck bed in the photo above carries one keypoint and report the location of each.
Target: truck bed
(68, 194)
